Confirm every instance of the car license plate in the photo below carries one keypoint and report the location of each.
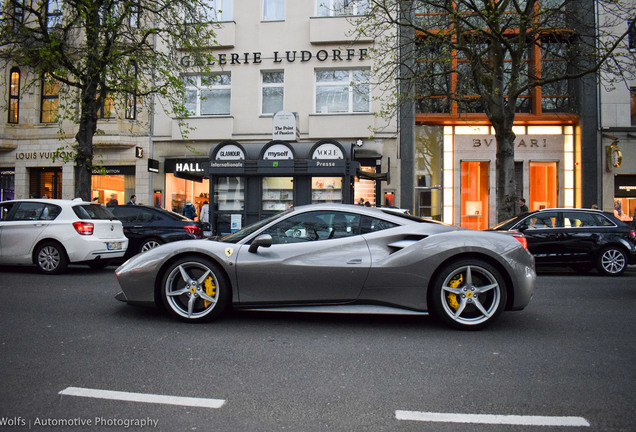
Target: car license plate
(113, 245)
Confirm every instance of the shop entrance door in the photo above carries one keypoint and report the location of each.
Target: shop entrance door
(429, 202)
(45, 182)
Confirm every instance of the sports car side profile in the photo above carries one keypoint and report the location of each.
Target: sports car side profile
(337, 258)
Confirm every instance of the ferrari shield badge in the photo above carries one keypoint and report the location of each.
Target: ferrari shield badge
(229, 252)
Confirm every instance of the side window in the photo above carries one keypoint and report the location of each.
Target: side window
(145, 216)
(370, 224)
(313, 226)
(602, 221)
(541, 221)
(578, 220)
(50, 212)
(29, 211)
(5, 209)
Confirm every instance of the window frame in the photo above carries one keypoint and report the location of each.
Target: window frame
(338, 8)
(54, 15)
(275, 6)
(351, 83)
(199, 87)
(13, 108)
(50, 98)
(271, 85)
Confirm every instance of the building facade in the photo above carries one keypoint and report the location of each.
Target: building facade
(286, 118)
(617, 138)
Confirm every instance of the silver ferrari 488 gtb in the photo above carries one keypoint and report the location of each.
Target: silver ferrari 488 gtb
(338, 258)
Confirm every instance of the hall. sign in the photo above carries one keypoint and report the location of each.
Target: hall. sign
(302, 56)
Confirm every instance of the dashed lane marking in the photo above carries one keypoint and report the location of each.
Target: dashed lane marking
(143, 397)
(491, 419)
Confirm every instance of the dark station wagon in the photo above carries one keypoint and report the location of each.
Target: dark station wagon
(579, 238)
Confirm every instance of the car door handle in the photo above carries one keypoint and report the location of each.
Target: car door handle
(355, 261)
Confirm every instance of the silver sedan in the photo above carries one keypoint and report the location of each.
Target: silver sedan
(338, 258)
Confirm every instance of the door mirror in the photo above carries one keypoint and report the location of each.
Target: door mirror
(263, 240)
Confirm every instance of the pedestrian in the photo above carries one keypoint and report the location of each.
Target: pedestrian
(189, 210)
(205, 212)
(360, 201)
(113, 201)
(523, 207)
(133, 200)
(594, 206)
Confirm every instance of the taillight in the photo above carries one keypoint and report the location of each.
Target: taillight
(194, 230)
(84, 228)
(632, 234)
(522, 240)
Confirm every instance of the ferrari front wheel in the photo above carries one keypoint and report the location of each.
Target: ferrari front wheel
(468, 294)
(194, 289)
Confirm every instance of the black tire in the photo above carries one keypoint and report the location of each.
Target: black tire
(185, 286)
(149, 244)
(612, 261)
(50, 258)
(468, 294)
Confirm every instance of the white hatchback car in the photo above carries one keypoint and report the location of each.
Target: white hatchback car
(52, 233)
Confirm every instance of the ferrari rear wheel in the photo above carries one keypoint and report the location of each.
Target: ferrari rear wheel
(468, 294)
(194, 289)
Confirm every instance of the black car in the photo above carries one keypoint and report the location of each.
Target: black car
(148, 227)
(578, 238)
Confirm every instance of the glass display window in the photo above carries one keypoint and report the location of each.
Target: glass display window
(179, 190)
(543, 185)
(364, 190)
(475, 194)
(625, 208)
(229, 194)
(326, 190)
(278, 193)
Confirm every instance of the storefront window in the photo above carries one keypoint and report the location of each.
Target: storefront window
(179, 190)
(103, 186)
(543, 185)
(326, 190)
(474, 194)
(278, 193)
(229, 194)
(364, 191)
(428, 170)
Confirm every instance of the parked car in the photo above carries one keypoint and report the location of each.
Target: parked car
(53, 233)
(148, 227)
(579, 238)
(337, 258)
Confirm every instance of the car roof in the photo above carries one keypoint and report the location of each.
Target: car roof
(51, 200)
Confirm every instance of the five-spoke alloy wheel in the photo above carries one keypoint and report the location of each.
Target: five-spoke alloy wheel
(195, 289)
(468, 294)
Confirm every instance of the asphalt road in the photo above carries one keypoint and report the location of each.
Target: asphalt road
(568, 356)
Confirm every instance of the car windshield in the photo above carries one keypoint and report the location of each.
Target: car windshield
(93, 211)
(239, 235)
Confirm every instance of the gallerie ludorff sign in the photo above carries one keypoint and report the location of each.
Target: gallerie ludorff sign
(302, 56)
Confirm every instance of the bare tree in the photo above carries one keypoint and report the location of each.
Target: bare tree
(105, 52)
(492, 57)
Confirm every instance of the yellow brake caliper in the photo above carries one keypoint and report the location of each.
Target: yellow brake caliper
(452, 298)
(210, 289)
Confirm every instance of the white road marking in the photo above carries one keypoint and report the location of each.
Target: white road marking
(143, 397)
(491, 419)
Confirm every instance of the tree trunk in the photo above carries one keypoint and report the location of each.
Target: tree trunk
(506, 181)
(84, 137)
